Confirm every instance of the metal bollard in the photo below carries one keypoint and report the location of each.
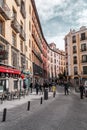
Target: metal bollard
(28, 107)
(41, 100)
(4, 115)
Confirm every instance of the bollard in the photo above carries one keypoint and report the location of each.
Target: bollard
(4, 115)
(41, 100)
(28, 107)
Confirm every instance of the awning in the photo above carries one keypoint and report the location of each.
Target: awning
(9, 70)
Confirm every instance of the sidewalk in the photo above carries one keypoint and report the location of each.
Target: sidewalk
(16, 102)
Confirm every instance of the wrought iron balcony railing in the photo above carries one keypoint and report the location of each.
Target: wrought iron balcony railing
(4, 10)
(17, 2)
(15, 25)
(22, 34)
(37, 41)
(37, 54)
(23, 12)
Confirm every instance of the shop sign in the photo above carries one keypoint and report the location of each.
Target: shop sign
(3, 55)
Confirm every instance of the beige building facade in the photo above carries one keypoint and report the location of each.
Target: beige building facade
(15, 43)
(56, 61)
(76, 54)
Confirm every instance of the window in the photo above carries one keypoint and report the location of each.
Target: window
(29, 43)
(84, 58)
(73, 39)
(14, 14)
(26, 64)
(16, 84)
(29, 9)
(51, 60)
(22, 9)
(1, 27)
(83, 47)
(82, 36)
(75, 60)
(84, 69)
(22, 62)
(21, 25)
(30, 56)
(75, 70)
(21, 45)
(14, 59)
(29, 25)
(13, 39)
(74, 49)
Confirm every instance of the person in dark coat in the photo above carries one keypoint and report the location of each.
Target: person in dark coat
(66, 87)
(31, 86)
(37, 88)
(81, 88)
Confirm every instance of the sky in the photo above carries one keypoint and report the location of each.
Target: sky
(57, 17)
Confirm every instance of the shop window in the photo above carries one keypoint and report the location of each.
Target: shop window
(16, 84)
(2, 85)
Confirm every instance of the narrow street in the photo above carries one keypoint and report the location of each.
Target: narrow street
(62, 113)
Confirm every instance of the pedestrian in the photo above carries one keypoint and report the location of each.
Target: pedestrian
(37, 88)
(54, 90)
(66, 86)
(81, 88)
(31, 86)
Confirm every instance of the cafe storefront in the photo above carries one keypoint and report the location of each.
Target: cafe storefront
(10, 79)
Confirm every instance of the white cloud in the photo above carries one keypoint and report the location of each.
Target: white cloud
(46, 7)
(58, 40)
(58, 16)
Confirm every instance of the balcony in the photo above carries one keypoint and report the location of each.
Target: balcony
(76, 73)
(17, 2)
(37, 55)
(22, 34)
(23, 12)
(83, 38)
(74, 51)
(75, 62)
(82, 50)
(37, 41)
(84, 61)
(4, 10)
(15, 25)
(73, 41)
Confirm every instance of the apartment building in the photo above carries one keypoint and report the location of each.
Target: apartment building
(56, 61)
(45, 61)
(14, 43)
(76, 53)
(37, 43)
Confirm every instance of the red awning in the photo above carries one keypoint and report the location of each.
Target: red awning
(9, 70)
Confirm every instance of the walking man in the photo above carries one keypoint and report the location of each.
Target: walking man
(66, 87)
(81, 88)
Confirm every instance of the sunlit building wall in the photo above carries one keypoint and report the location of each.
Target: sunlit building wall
(76, 52)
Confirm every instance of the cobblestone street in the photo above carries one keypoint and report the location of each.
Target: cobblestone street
(60, 113)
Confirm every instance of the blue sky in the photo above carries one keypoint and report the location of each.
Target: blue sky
(57, 17)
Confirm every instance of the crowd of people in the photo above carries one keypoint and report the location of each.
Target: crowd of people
(52, 87)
